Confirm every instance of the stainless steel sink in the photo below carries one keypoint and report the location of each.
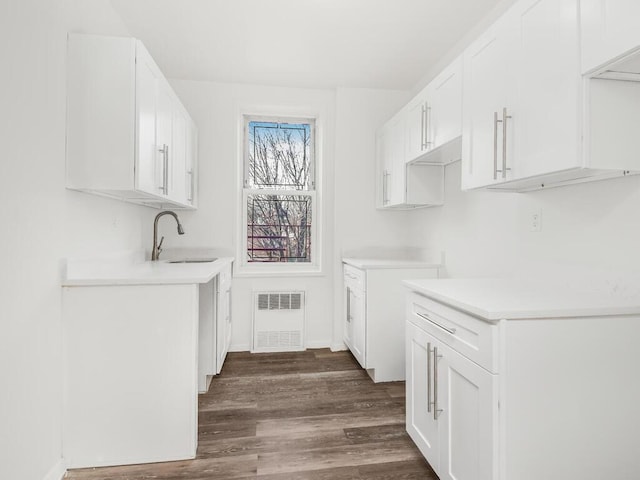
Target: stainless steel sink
(193, 260)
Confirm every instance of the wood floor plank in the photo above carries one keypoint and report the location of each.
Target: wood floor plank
(334, 456)
(313, 415)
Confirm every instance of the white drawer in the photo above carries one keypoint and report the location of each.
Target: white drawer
(354, 277)
(472, 337)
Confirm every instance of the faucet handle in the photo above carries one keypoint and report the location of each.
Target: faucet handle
(160, 245)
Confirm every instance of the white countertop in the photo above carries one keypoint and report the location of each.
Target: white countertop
(497, 299)
(85, 273)
(378, 263)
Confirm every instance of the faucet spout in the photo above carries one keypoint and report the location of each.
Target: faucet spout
(157, 248)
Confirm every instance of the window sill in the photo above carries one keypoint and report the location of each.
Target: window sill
(264, 271)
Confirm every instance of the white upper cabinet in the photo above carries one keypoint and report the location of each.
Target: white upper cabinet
(415, 144)
(403, 185)
(488, 100)
(434, 119)
(522, 95)
(530, 120)
(609, 30)
(545, 114)
(128, 135)
(444, 114)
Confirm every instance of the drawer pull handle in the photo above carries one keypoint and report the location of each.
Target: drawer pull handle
(452, 331)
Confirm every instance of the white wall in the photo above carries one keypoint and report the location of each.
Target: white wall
(359, 227)
(350, 221)
(42, 224)
(216, 110)
(592, 229)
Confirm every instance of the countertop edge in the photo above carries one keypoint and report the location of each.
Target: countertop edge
(379, 264)
(531, 314)
(183, 274)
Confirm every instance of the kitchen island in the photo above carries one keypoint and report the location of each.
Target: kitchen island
(139, 338)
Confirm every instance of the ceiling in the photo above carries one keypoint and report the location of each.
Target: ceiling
(387, 44)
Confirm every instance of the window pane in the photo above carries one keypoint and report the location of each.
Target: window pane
(279, 228)
(280, 155)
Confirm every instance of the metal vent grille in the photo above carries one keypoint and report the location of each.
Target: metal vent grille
(278, 322)
(280, 301)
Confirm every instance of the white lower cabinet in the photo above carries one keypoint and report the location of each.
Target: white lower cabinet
(451, 408)
(355, 314)
(215, 326)
(130, 359)
(535, 396)
(373, 327)
(223, 320)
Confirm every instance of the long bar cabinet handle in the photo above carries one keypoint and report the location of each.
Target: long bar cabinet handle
(436, 411)
(452, 331)
(495, 145)
(166, 170)
(504, 142)
(429, 350)
(423, 121)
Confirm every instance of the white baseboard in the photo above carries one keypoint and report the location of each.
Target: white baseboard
(241, 347)
(318, 344)
(57, 472)
(338, 347)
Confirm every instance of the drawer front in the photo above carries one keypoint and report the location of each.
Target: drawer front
(472, 337)
(354, 277)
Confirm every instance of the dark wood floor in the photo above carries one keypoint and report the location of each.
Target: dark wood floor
(311, 415)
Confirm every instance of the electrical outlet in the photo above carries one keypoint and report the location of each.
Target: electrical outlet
(535, 221)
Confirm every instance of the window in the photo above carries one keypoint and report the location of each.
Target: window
(279, 194)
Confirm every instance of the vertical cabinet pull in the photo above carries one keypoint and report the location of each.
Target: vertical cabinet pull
(348, 304)
(503, 121)
(422, 126)
(190, 186)
(385, 187)
(165, 169)
(495, 145)
(429, 377)
(165, 180)
(504, 142)
(426, 122)
(436, 411)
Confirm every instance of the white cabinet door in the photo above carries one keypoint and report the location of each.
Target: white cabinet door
(191, 162)
(179, 139)
(609, 29)
(358, 326)
(545, 114)
(355, 320)
(487, 93)
(147, 84)
(164, 140)
(467, 395)
(394, 161)
(434, 116)
(416, 126)
(223, 325)
(444, 110)
(422, 427)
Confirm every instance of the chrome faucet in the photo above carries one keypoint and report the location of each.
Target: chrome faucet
(157, 247)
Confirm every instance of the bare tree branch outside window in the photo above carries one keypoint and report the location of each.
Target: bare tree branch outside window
(279, 223)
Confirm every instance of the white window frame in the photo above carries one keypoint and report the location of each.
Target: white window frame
(270, 269)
